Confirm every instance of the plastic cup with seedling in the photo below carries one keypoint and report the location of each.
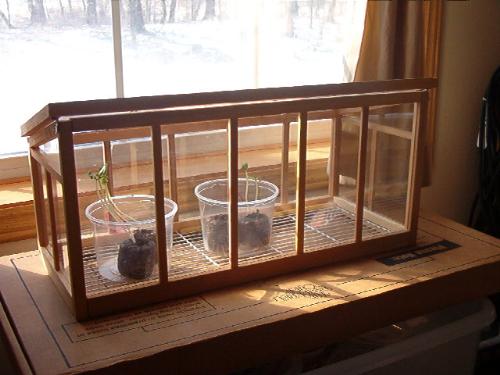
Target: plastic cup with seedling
(255, 210)
(137, 254)
(254, 229)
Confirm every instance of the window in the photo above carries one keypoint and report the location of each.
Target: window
(52, 56)
(54, 50)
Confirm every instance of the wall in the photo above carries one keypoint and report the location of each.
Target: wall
(470, 52)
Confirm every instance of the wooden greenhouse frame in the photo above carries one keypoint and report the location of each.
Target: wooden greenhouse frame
(103, 121)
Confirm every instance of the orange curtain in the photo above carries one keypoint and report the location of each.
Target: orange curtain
(401, 40)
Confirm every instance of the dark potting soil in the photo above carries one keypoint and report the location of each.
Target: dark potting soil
(254, 231)
(137, 257)
(217, 234)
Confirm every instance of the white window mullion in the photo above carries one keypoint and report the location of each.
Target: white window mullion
(117, 48)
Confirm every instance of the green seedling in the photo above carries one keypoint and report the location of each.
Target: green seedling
(101, 178)
(244, 168)
(137, 254)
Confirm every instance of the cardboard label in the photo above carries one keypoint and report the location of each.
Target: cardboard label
(146, 319)
(309, 291)
(419, 252)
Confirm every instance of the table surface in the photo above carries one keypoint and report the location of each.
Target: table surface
(240, 327)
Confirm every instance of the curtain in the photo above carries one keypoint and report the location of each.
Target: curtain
(352, 34)
(401, 40)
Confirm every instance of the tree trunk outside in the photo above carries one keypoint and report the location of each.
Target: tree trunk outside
(37, 12)
(136, 17)
(6, 20)
(294, 8)
(171, 16)
(8, 12)
(291, 11)
(102, 8)
(61, 7)
(331, 11)
(92, 12)
(147, 11)
(311, 16)
(70, 7)
(195, 5)
(209, 10)
(163, 11)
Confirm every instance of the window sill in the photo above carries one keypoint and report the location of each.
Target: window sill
(16, 198)
(15, 193)
(16, 211)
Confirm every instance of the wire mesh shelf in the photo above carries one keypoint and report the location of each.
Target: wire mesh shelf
(324, 228)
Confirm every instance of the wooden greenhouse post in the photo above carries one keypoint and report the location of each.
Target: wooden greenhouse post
(72, 219)
(232, 193)
(301, 183)
(161, 235)
(417, 163)
(360, 181)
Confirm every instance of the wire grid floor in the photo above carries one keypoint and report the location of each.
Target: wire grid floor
(323, 228)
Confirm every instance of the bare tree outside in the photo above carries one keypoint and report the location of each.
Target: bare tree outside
(163, 11)
(331, 11)
(171, 15)
(291, 11)
(37, 12)
(7, 6)
(311, 13)
(209, 10)
(61, 7)
(136, 16)
(195, 9)
(5, 19)
(92, 12)
(102, 9)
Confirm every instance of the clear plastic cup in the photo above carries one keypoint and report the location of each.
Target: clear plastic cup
(125, 236)
(255, 215)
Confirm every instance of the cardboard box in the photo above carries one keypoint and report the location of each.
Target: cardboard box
(241, 327)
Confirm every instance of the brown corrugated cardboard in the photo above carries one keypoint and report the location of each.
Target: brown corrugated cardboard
(240, 327)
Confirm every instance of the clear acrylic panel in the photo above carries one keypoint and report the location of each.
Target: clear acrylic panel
(195, 174)
(47, 209)
(331, 178)
(265, 230)
(117, 210)
(88, 159)
(387, 168)
(61, 233)
(290, 126)
(50, 152)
